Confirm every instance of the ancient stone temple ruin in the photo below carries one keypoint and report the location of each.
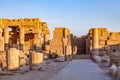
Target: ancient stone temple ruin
(101, 42)
(61, 42)
(27, 42)
(18, 36)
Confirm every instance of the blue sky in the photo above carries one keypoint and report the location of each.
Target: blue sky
(78, 15)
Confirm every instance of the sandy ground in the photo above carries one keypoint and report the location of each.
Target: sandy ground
(45, 73)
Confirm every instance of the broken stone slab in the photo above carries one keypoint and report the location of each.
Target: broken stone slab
(60, 59)
(97, 59)
(105, 58)
(113, 70)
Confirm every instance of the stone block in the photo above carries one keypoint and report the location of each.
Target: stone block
(108, 48)
(101, 47)
(118, 47)
(114, 48)
(101, 53)
(112, 42)
(101, 42)
(103, 38)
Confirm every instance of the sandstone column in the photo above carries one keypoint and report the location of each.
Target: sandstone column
(36, 39)
(37, 42)
(6, 41)
(22, 38)
(6, 35)
(95, 39)
(36, 60)
(13, 59)
(1, 39)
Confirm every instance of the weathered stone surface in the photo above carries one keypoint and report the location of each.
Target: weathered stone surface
(28, 31)
(97, 59)
(47, 47)
(103, 52)
(112, 42)
(6, 35)
(74, 50)
(80, 42)
(105, 58)
(60, 59)
(113, 70)
(1, 43)
(95, 41)
(61, 38)
(22, 58)
(3, 63)
(108, 48)
(68, 50)
(13, 59)
(118, 47)
(118, 72)
(104, 41)
(36, 59)
(21, 34)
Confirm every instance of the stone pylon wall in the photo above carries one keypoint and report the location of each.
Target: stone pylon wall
(61, 39)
